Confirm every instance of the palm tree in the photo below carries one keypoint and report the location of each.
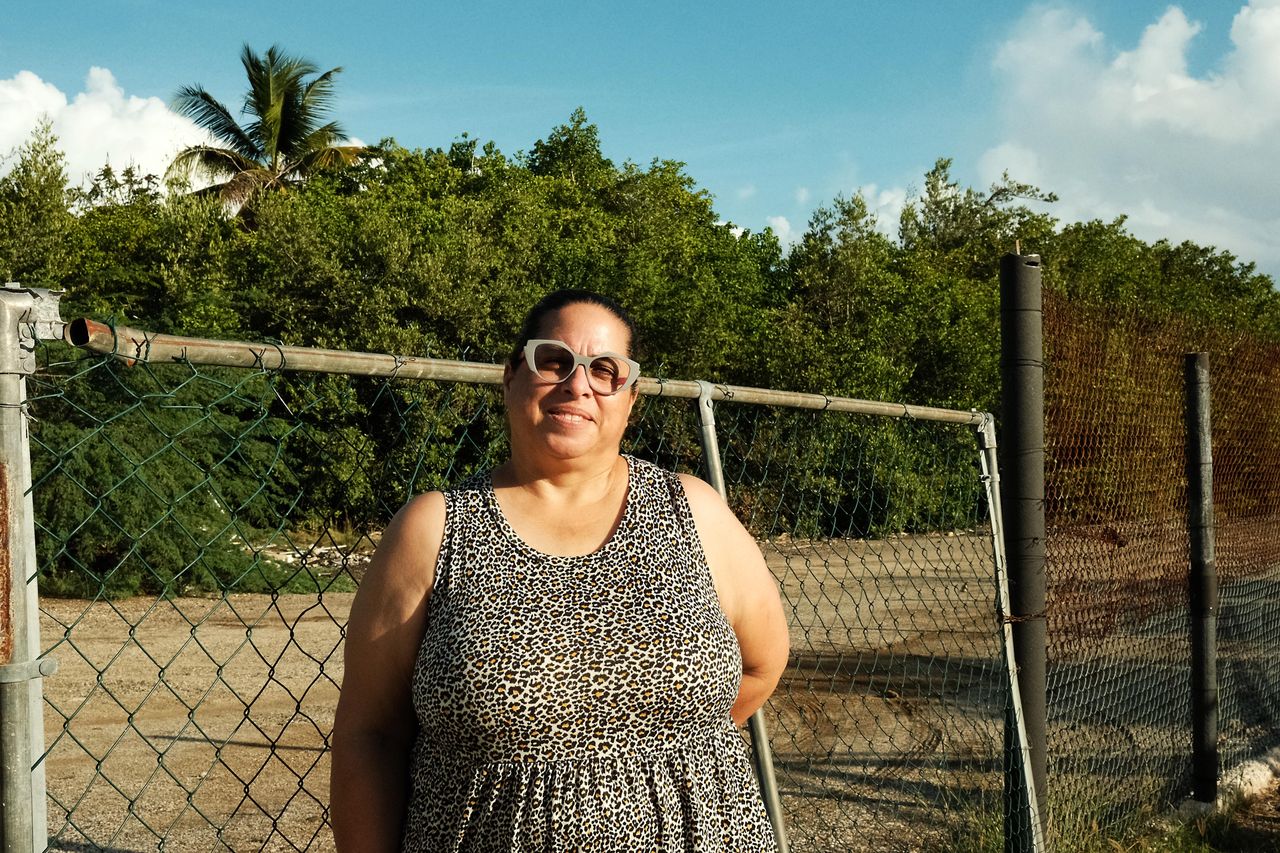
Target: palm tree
(284, 141)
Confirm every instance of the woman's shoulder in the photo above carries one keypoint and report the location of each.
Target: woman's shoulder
(701, 495)
(421, 516)
(694, 488)
(475, 482)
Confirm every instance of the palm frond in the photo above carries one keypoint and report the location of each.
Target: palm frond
(241, 189)
(209, 162)
(325, 136)
(332, 157)
(317, 96)
(301, 112)
(306, 136)
(212, 116)
(275, 81)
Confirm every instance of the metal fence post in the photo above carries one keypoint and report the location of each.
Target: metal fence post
(1203, 580)
(1022, 446)
(988, 462)
(761, 753)
(25, 314)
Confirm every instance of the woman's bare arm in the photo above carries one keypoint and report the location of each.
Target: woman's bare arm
(748, 595)
(373, 727)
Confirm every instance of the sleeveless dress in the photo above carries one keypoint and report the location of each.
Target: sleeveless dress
(579, 703)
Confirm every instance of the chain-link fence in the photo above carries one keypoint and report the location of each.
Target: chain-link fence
(202, 530)
(1118, 554)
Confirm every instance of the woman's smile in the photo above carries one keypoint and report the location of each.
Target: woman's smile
(568, 415)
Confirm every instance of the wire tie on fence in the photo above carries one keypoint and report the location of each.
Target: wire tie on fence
(1028, 617)
(24, 409)
(144, 350)
(279, 345)
(115, 336)
(400, 361)
(115, 343)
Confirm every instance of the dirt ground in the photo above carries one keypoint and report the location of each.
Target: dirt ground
(202, 723)
(1256, 826)
(192, 724)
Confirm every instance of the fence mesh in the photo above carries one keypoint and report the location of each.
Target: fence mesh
(202, 531)
(1118, 555)
(887, 726)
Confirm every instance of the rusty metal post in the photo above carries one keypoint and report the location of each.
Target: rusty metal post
(25, 314)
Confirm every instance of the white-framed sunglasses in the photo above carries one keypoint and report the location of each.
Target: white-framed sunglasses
(553, 362)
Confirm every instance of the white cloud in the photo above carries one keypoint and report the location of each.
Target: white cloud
(1132, 131)
(782, 229)
(98, 126)
(886, 205)
(802, 195)
(744, 193)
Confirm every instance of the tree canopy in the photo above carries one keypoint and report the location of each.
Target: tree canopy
(439, 252)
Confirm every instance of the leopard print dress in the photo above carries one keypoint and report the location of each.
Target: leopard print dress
(579, 703)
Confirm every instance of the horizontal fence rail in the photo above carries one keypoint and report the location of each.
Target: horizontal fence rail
(205, 510)
(132, 344)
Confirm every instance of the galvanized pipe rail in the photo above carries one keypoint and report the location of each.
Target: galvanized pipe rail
(150, 347)
(761, 751)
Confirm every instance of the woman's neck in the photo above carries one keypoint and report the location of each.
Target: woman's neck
(583, 476)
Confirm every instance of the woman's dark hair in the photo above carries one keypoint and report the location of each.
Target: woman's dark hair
(557, 299)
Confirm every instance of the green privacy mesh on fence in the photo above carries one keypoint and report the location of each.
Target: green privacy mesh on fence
(202, 529)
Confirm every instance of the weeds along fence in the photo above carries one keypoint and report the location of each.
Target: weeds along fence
(1119, 680)
(204, 511)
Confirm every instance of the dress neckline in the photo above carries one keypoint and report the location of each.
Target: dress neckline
(628, 501)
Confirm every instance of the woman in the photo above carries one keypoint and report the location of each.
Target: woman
(552, 656)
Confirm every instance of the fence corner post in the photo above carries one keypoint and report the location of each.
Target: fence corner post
(26, 314)
(1202, 580)
(1022, 509)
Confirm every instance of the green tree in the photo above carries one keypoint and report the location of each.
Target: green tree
(1101, 263)
(848, 314)
(35, 222)
(152, 259)
(572, 151)
(286, 138)
(964, 231)
(952, 238)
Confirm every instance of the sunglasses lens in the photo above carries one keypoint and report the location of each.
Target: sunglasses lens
(607, 374)
(552, 362)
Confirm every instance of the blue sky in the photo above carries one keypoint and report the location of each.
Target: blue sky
(1120, 108)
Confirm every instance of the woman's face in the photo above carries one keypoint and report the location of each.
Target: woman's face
(570, 420)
